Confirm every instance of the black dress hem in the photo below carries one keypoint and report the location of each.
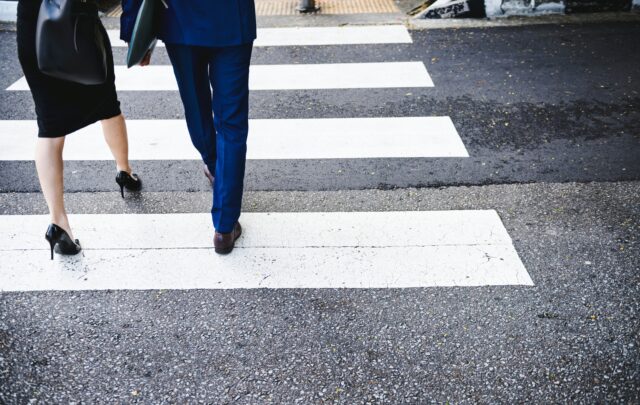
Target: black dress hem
(48, 131)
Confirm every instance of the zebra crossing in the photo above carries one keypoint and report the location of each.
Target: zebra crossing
(323, 138)
(277, 250)
(284, 77)
(442, 248)
(305, 36)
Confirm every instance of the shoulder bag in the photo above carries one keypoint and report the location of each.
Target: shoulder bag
(70, 43)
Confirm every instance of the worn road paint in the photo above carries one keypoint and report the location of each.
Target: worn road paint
(277, 250)
(326, 138)
(306, 36)
(284, 77)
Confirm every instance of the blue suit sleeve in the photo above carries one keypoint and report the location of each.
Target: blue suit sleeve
(130, 10)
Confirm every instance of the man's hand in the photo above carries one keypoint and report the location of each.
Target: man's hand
(146, 60)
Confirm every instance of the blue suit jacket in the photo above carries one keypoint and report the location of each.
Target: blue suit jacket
(198, 22)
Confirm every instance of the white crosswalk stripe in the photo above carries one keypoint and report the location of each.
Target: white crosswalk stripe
(328, 138)
(305, 36)
(284, 77)
(279, 250)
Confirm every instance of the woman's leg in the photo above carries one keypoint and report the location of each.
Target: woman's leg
(49, 165)
(115, 133)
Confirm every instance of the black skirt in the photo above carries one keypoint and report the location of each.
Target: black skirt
(62, 107)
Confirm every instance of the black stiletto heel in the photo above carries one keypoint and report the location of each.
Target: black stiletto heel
(58, 237)
(129, 181)
(52, 243)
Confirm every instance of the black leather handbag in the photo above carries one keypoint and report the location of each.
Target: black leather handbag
(70, 43)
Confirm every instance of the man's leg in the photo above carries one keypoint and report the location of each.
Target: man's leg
(229, 75)
(191, 68)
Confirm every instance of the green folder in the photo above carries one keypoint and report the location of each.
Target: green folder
(145, 31)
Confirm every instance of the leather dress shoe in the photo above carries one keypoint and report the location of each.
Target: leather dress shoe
(208, 174)
(224, 242)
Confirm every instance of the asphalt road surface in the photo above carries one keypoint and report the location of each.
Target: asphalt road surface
(540, 125)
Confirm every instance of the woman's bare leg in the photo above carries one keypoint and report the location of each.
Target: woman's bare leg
(50, 167)
(115, 133)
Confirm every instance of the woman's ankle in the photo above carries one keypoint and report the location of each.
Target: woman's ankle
(62, 221)
(124, 169)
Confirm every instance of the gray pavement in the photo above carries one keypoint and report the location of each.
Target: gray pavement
(573, 337)
(550, 117)
(536, 103)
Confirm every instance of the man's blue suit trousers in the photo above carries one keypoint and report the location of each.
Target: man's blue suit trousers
(216, 79)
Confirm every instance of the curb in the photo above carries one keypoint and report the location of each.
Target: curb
(513, 21)
(8, 11)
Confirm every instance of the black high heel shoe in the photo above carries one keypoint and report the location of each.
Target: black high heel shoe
(60, 239)
(131, 181)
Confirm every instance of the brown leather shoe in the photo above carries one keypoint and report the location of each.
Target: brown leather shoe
(208, 174)
(224, 242)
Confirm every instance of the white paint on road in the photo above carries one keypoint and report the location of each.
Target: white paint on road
(305, 36)
(277, 250)
(327, 138)
(284, 77)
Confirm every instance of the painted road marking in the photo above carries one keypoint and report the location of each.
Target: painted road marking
(304, 36)
(284, 77)
(277, 250)
(327, 138)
